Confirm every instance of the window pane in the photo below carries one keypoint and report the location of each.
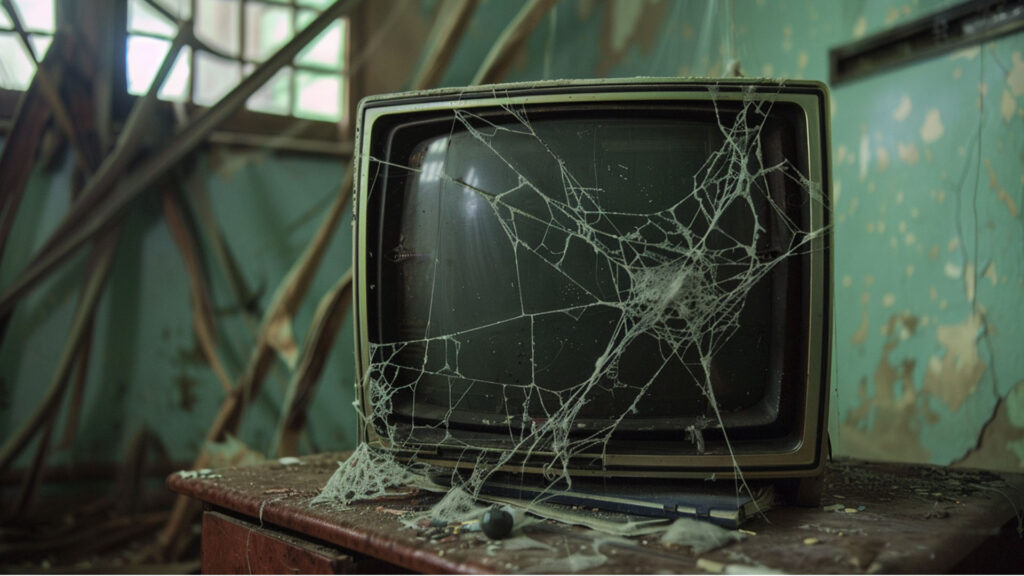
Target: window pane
(16, 68)
(325, 50)
(275, 96)
(175, 88)
(214, 77)
(321, 4)
(267, 28)
(5, 20)
(182, 9)
(319, 95)
(36, 15)
(40, 44)
(143, 18)
(217, 24)
(143, 61)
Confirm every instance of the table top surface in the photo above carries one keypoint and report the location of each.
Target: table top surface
(889, 518)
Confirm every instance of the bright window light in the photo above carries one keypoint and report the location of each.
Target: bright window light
(144, 58)
(247, 33)
(16, 68)
(325, 50)
(319, 96)
(144, 18)
(41, 44)
(175, 88)
(214, 78)
(36, 15)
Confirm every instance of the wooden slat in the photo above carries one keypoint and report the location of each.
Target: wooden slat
(88, 218)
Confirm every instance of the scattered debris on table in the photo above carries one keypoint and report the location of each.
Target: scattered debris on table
(855, 533)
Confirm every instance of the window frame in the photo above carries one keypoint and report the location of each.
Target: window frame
(245, 128)
(9, 97)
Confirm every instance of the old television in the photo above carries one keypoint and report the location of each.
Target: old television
(610, 278)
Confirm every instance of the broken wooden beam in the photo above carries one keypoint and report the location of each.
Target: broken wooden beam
(327, 320)
(84, 221)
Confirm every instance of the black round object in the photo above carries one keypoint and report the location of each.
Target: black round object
(496, 523)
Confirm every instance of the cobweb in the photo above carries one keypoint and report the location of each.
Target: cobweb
(669, 277)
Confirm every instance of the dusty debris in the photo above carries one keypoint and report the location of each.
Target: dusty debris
(366, 475)
(394, 511)
(936, 512)
(699, 536)
(201, 473)
(517, 543)
(710, 566)
(716, 567)
(570, 564)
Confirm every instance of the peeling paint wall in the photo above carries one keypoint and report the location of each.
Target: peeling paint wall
(928, 227)
(929, 172)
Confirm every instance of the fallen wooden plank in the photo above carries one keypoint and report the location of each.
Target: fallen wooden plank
(202, 309)
(87, 219)
(18, 154)
(99, 266)
(315, 349)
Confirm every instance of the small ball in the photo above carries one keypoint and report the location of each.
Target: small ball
(496, 523)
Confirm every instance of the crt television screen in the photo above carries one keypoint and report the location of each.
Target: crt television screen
(639, 271)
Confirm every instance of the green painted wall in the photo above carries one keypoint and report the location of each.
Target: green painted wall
(929, 173)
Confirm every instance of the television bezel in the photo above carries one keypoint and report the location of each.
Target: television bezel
(807, 455)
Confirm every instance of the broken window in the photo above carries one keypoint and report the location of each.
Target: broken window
(238, 36)
(16, 64)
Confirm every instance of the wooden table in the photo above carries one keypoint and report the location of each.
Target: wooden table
(890, 518)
